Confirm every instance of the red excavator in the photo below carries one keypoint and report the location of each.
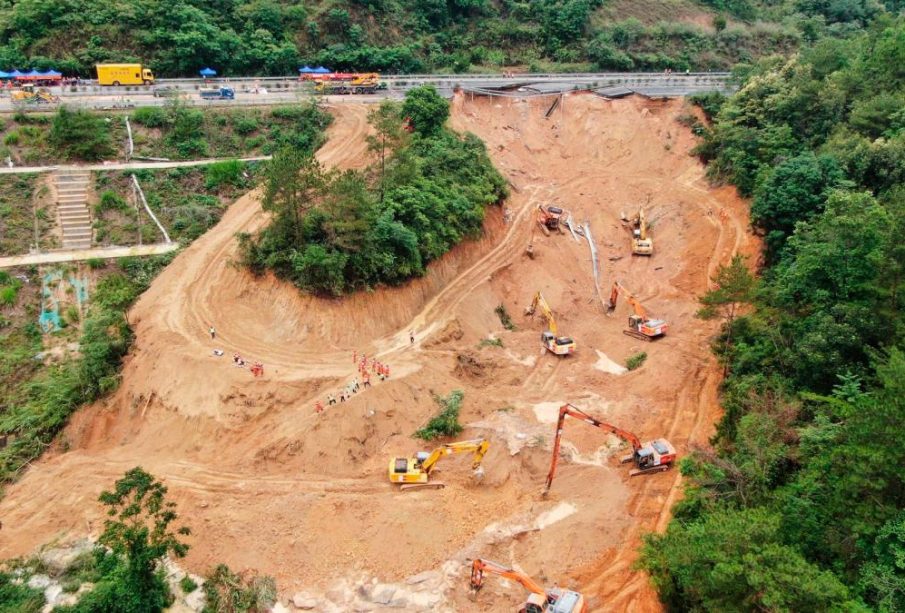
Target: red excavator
(548, 218)
(639, 325)
(554, 600)
(654, 456)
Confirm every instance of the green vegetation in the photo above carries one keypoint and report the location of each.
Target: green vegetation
(25, 209)
(228, 592)
(19, 598)
(131, 549)
(491, 342)
(799, 505)
(505, 319)
(178, 131)
(269, 37)
(80, 135)
(446, 422)
(37, 399)
(635, 361)
(335, 232)
(187, 201)
(187, 585)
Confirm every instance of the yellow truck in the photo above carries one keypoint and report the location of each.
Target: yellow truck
(124, 74)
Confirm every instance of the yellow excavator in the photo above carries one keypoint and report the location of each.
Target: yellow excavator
(415, 472)
(642, 244)
(557, 345)
(29, 95)
(553, 600)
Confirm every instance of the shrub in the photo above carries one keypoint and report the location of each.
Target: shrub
(150, 116)
(81, 135)
(187, 585)
(8, 294)
(446, 422)
(491, 342)
(111, 201)
(96, 263)
(245, 124)
(229, 172)
(11, 139)
(505, 319)
(635, 361)
(226, 591)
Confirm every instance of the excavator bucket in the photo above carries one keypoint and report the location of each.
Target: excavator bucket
(478, 474)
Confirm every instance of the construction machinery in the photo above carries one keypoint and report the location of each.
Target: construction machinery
(557, 345)
(642, 244)
(554, 600)
(29, 95)
(653, 456)
(348, 83)
(415, 472)
(548, 218)
(640, 325)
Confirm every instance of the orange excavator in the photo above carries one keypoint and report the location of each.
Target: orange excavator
(554, 600)
(640, 325)
(548, 218)
(654, 456)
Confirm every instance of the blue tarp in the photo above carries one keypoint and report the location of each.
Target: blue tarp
(52, 73)
(4, 75)
(306, 69)
(207, 72)
(16, 73)
(322, 70)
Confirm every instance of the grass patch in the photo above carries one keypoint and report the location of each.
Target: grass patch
(635, 361)
(491, 342)
(446, 422)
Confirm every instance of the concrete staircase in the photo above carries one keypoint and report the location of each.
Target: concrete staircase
(72, 205)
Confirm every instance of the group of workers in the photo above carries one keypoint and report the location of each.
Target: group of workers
(256, 368)
(366, 368)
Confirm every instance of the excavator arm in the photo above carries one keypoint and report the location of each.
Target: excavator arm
(478, 446)
(576, 413)
(545, 309)
(639, 310)
(479, 567)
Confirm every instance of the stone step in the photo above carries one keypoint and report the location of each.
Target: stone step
(72, 191)
(71, 206)
(72, 198)
(75, 218)
(77, 245)
(72, 176)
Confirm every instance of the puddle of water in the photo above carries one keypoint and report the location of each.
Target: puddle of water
(607, 365)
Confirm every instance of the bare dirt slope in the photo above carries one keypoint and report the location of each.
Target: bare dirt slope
(268, 484)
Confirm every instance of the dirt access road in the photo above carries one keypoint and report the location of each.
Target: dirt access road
(266, 483)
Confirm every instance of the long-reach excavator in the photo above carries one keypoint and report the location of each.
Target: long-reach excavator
(415, 472)
(642, 244)
(557, 345)
(654, 456)
(640, 325)
(554, 600)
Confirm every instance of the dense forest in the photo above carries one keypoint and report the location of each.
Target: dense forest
(799, 507)
(241, 37)
(339, 231)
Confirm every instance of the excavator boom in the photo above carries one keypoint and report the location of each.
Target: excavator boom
(640, 325)
(479, 567)
(558, 345)
(478, 446)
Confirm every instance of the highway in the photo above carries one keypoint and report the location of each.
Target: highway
(256, 91)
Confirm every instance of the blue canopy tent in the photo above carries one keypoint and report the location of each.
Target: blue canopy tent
(306, 69)
(4, 75)
(322, 70)
(15, 74)
(52, 74)
(207, 72)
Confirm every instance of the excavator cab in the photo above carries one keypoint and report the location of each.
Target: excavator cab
(557, 345)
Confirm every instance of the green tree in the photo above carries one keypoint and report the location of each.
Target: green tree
(293, 182)
(732, 560)
(81, 135)
(137, 536)
(733, 286)
(426, 108)
(794, 191)
(388, 137)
